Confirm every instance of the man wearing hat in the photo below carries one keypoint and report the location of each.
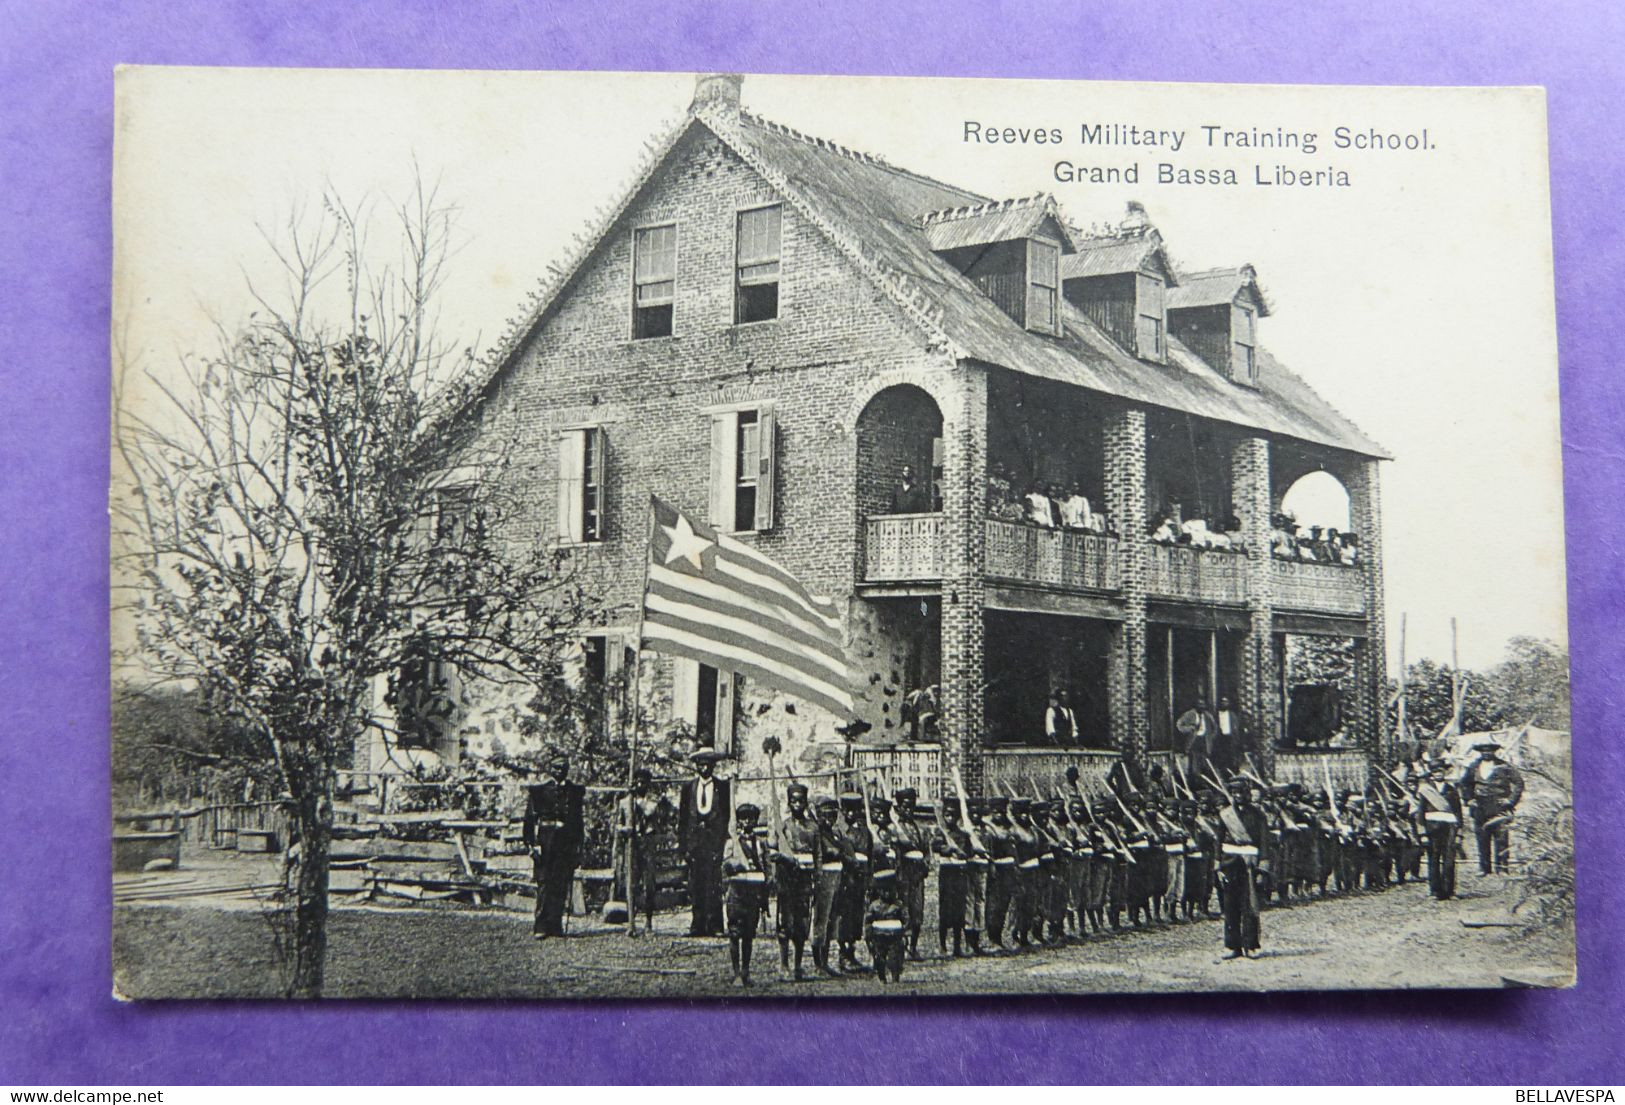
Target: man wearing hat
(911, 842)
(798, 846)
(1439, 821)
(954, 848)
(1494, 788)
(853, 895)
(702, 827)
(747, 865)
(1243, 834)
(831, 855)
(552, 832)
(883, 926)
(1001, 875)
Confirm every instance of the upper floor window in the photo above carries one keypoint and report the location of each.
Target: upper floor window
(1043, 286)
(756, 265)
(581, 484)
(742, 468)
(1243, 355)
(654, 280)
(1150, 311)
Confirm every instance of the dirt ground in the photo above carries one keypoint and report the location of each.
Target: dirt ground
(221, 945)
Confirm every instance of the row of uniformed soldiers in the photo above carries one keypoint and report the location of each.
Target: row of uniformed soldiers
(1020, 872)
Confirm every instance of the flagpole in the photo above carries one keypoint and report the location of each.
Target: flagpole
(631, 728)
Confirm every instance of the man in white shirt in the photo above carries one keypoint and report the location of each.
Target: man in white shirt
(703, 813)
(1075, 510)
(1060, 723)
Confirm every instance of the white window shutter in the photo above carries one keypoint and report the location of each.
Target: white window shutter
(766, 430)
(685, 691)
(571, 447)
(727, 711)
(724, 444)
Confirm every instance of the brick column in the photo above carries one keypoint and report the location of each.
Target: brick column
(1250, 494)
(1365, 517)
(1125, 500)
(964, 539)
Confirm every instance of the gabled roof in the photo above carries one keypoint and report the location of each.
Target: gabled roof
(1215, 286)
(871, 211)
(1117, 253)
(996, 221)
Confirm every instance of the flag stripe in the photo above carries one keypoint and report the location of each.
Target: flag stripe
(821, 606)
(664, 596)
(763, 605)
(791, 598)
(748, 661)
(745, 633)
(729, 606)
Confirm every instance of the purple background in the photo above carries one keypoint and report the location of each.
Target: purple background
(57, 1022)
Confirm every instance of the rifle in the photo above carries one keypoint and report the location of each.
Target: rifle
(1184, 781)
(773, 795)
(964, 812)
(1135, 821)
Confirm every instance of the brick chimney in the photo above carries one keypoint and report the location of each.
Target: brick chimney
(717, 90)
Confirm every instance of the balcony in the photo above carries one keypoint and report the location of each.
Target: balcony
(1041, 772)
(1058, 558)
(902, 765)
(1326, 588)
(1343, 768)
(903, 548)
(1196, 575)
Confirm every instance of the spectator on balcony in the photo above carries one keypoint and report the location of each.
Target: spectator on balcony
(908, 497)
(936, 496)
(1040, 507)
(1002, 502)
(1166, 530)
(1075, 510)
(1283, 537)
(1060, 723)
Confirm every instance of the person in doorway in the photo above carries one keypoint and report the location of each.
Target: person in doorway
(1060, 723)
(908, 497)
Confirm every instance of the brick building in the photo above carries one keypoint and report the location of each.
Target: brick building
(768, 327)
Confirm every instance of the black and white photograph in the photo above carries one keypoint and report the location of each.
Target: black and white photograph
(671, 535)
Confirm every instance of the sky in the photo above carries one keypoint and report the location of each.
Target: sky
(1418, 300)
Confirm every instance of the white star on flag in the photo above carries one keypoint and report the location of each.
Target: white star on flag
(685, 543)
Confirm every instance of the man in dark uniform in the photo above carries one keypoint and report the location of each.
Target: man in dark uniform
(747, 866)
(1494, 789)
(553, 831)
(1439, 820)
(702, 826)
(798, 844)
(911, 841)
(832, 853)
(1243, 833)
(955, 849)
(853, 895)
(1001, 875)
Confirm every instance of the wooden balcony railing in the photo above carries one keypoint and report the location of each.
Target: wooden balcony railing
(1205, 575)
(903, 548)
(1346, 767)
(1044, 769)
(1333, 588)
(1062, 558)
(903, 765)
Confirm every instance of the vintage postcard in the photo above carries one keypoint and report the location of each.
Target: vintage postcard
(621, 535)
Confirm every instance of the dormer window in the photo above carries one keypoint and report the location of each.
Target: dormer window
(1243, 352)
(1150, 309)
(1043, 286)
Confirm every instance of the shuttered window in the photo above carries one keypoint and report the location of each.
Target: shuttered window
(1150, 297)
(581, 501)
(742, 469)
(756, 264)
(705, 700)
(1043, 286)
(654, 280)
(1243, 354)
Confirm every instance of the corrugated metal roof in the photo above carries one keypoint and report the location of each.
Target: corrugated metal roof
(998, 221)
(877, 205)
(1215, 286)
(1110, 256)
(878, 210)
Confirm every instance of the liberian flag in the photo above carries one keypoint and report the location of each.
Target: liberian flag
(720, 602)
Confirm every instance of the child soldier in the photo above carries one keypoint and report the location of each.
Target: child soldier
(746, 862)
(831, 854)
(798, 842)
(1001, 876)
(883, 927)
(912, 843)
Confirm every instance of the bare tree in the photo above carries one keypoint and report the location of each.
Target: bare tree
(314, 515)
